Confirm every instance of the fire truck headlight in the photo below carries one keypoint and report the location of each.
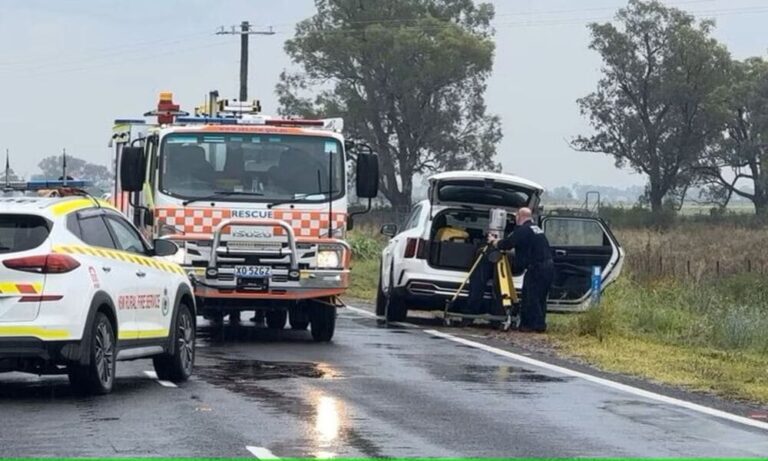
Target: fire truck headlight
(328, 259)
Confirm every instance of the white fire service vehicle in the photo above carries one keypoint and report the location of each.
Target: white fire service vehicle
(258, 205)
(81, 289)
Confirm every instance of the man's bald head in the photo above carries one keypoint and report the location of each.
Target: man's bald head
(523, 215)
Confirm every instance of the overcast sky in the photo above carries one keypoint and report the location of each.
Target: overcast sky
(68, 68)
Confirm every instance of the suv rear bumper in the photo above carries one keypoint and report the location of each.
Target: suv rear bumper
(432, 294)
(17, 350)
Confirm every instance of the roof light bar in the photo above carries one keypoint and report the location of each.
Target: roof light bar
(46, 184)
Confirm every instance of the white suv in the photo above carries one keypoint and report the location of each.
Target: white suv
(420, 272)
(80, 289)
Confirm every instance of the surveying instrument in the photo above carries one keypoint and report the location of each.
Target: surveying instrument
(504, 310)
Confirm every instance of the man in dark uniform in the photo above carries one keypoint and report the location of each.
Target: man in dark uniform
(532, 254)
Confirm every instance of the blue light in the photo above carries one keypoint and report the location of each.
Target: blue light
(45, 184)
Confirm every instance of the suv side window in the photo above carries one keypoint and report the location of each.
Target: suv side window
(574, 232)
(413, 219)
(93, 231)
(127, 238)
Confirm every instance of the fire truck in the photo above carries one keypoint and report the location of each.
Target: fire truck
(257, 205)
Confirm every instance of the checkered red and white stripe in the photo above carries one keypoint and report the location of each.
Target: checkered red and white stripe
(205, 220)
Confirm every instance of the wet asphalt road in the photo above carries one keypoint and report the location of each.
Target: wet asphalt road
(373, 392)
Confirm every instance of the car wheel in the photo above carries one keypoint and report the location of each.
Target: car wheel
(395, 309)
(276, 319)
(381, 300)
(98, 376)
(177, 367)
(323, 320)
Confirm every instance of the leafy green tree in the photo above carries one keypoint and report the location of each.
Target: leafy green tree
(77, 168)
(660, 103)
(408, 76)
(738, 164)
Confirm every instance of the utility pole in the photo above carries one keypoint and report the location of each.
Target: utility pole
(244, 32)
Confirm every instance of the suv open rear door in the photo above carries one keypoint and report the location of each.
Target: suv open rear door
(579, 243)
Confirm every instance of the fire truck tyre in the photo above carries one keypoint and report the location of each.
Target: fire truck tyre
(276, 319)
(177, 366)
(395, 309)
(299, 318)
(98, 376)
(323, 320)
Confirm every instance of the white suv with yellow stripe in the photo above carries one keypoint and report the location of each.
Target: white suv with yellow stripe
(80, 289)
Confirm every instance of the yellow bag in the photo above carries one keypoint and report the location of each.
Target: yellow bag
(451, 233)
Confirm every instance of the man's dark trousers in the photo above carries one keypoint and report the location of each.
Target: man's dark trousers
(536, 284)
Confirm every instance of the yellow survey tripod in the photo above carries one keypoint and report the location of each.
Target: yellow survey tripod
(504, 290)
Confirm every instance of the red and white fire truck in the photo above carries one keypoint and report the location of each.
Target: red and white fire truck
(257, 205)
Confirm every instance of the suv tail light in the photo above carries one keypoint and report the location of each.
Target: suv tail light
(415, 248)
(43, 264)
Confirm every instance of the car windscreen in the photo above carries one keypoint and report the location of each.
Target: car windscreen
(22, 232)
(484, 193)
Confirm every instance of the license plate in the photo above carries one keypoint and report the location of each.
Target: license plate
(253, 272)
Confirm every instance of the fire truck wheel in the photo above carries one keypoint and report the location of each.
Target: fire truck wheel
(298, 317)
(276, 319)
(323, 320)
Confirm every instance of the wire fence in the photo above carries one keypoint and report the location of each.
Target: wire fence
(650, 266)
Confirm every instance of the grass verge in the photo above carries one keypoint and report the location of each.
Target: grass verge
(711, 338)
(365, 279)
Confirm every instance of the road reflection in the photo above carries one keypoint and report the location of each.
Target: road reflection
(330, 415)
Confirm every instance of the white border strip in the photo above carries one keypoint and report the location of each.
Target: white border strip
(605, 382)
(261, 453)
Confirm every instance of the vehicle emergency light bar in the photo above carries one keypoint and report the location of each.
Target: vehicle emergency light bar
(333, 124)
(45, 184)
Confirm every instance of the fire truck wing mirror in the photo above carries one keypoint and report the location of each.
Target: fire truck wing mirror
(367, 175)
(164, 247)
(132, 169)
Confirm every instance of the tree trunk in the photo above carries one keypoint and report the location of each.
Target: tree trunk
(657, 199)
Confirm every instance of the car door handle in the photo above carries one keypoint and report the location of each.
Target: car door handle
(106, 269)
(560, 252)
(141, 274)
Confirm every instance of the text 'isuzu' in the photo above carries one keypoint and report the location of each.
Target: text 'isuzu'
(257, 205)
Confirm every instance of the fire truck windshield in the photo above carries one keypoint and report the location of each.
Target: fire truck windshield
(251, 167)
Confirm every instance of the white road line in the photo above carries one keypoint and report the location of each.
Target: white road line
(604, 382)
(371, 314)
(153, 375)
(262, 453)
(361, 311)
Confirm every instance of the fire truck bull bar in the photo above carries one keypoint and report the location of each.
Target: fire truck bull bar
(301, 284)
(264, 222)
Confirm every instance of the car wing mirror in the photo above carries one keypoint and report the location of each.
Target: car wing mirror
(163, 247)
(390, 230)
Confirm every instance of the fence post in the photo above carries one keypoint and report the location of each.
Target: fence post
(688, 267)
(717, 267)
(661, 265)
(749, 266)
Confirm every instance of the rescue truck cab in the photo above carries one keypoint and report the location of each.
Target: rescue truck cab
(256, 204)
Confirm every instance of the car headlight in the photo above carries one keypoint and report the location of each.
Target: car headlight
(328, 259)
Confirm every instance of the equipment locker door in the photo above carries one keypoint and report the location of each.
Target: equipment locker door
(579, 245)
